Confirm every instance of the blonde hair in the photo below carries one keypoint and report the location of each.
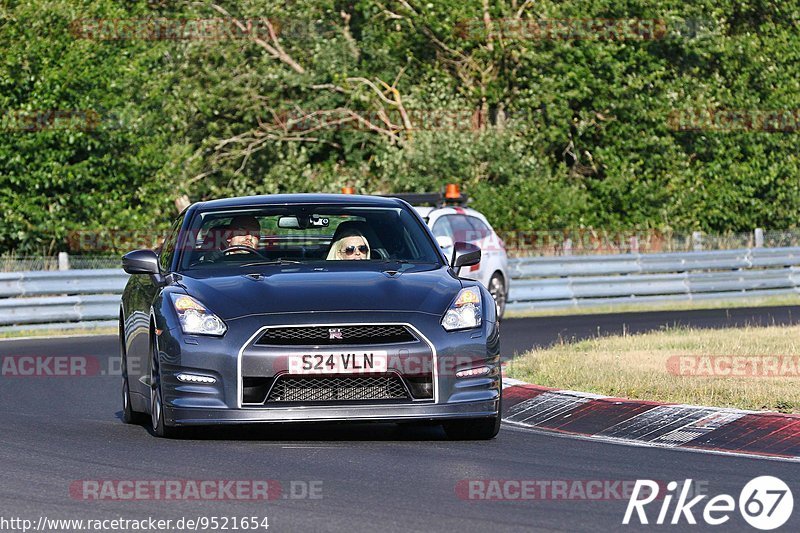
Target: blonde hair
(335, 252)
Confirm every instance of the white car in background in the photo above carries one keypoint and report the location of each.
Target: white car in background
(450, 221)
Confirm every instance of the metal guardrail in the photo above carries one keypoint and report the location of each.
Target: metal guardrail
(83, 298)
(70, 298)
(581, 281)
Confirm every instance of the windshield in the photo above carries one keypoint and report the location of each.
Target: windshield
(304, 234)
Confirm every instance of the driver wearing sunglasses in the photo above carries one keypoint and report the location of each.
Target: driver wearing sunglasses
(350, 246)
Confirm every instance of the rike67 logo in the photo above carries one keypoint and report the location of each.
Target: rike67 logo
(765, 503)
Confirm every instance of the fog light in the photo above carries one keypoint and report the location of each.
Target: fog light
(473, 372)
(194, 378)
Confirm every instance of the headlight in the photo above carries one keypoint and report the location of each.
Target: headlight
(465, 311)
(195, 318)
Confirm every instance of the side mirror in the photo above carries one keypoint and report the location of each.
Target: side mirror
(444, 241)
(465, 254)
(141, 262)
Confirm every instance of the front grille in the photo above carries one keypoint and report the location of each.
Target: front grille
(336, 335)
(337, 388)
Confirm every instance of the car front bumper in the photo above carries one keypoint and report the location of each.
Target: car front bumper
(339, 413)
(221, 359)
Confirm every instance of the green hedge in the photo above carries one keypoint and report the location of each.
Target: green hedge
(552, 132)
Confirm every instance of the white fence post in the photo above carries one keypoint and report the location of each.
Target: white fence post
(63, 261)
(697, 241)
(634, 244)
(759, 238)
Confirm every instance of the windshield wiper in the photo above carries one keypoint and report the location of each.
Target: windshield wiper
(273, 262)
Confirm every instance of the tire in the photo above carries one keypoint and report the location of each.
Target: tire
(497, 288)
(129, 416)
(473, 428)
(160, 429)
(157, 422)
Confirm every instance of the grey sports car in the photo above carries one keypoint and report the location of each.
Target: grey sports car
(307, 308)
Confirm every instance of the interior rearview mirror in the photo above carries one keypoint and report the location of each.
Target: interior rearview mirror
(289, 222)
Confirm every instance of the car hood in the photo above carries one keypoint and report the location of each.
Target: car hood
(289, 289)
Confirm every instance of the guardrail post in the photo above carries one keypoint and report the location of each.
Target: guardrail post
(759, 233)
(63, 261)
(697, 241)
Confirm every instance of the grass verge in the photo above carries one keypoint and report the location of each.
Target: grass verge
(769, 301)
(678, 365)
(57, 332)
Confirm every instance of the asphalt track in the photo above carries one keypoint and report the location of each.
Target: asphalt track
(55, 431)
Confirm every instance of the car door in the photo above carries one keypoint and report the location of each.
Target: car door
(139, 296)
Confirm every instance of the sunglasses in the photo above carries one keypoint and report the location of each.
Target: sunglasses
(350, 250)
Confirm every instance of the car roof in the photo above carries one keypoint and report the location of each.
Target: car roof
(301, 198)
(427, 212)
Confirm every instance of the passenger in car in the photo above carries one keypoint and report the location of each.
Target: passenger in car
(349, 244)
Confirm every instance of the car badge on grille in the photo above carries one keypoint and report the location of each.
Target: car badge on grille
(335, 334)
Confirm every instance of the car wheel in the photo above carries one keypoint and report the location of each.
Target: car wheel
(157, 418)
(498, 291)
(129, 416)
(473, 428)
(160, 428)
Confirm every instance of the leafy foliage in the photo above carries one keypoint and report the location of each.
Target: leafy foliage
(403, 95)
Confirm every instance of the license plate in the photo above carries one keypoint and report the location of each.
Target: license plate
(338, 363)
